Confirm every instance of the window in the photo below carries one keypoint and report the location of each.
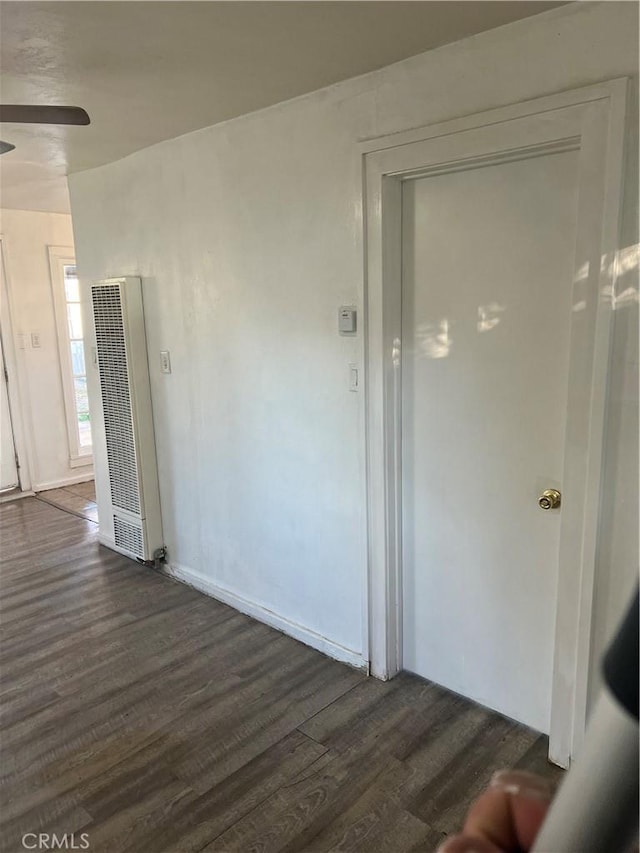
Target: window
(73, 365)
(78, 367)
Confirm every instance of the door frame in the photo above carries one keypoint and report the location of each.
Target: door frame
(17, 377)
(59, 257)
(596, 116)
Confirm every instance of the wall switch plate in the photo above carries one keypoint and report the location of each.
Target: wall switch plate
(347, 320)
(165, 361)
(35, 340)
(353, 378)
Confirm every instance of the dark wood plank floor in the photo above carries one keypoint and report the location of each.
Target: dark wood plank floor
(154, 719)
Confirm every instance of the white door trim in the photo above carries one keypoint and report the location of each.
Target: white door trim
(591, 119)
(59, 256)
(18, 380)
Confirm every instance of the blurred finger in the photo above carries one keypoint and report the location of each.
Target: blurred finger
(510, 812)
(521, 781)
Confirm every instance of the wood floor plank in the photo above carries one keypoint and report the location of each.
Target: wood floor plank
(108, 705)
(58, 579)
(209, 707)
(372, 822)
(103, 643)
(18, 705)
(194, 822)
(64, 596)
(295, 815)
(85, 490)
(443, 801)
(261, 724)
(158, 720)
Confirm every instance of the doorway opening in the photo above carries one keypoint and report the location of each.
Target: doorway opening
(47, 451)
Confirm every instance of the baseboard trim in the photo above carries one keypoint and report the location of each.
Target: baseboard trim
(65, 481)
(262, 614)
(16, 496)
(82, 462)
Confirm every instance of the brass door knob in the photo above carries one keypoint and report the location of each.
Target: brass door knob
(549, 499)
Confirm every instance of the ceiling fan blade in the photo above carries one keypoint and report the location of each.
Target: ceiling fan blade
(5, 147)
(42, 114)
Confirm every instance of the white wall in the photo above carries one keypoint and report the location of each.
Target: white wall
(25, 237)
(248, 236)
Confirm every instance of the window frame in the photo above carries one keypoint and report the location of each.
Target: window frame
(59, 257)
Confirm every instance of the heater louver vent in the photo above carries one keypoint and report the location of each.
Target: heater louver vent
(116, 400)
(123, 425)
(129, 537)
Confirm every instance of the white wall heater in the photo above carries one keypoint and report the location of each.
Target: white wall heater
(123, 369)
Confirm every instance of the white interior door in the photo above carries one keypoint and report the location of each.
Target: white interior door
(487, 274)
(8, 469)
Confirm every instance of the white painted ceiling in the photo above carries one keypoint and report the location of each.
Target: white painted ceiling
(149, 71)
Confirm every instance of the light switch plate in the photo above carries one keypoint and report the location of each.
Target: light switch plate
(165, 361)
(353, 377)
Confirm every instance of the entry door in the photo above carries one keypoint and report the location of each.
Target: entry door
(8, 469)
(487, 270)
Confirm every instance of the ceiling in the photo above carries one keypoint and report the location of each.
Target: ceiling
(149, 71)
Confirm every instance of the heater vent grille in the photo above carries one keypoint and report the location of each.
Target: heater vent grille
(116, 402)
(128, 536)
